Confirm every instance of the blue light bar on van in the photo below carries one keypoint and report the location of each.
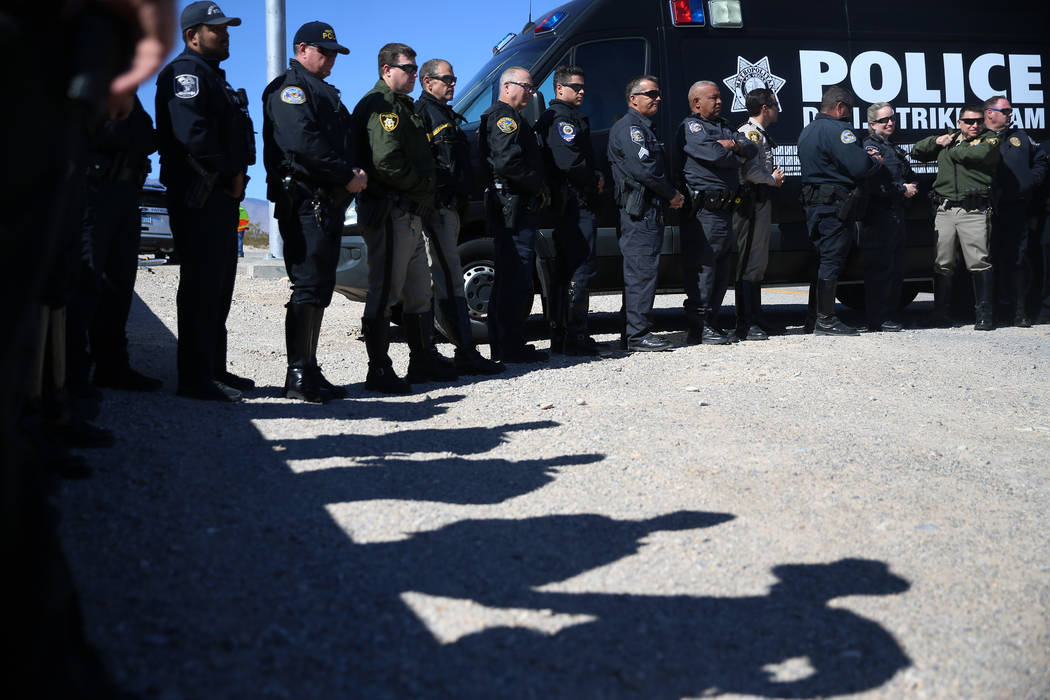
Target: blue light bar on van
(548, 23)
(687, 12)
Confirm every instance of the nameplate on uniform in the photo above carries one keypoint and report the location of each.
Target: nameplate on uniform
(847, 136)
(187, 85)
(293, 96)
(568, 131)
(507, 125)
(388, 121)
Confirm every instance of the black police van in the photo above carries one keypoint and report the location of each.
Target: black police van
(926, 58)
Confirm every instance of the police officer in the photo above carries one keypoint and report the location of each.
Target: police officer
(310, 178)
(882, 230)
(966, 164)
(117, 167)
(569, 159)
(516, 192)
(400, 195)
(454, 185)
(834, 166)
(710, 154)
(206, 143)
(1022, 170)
(643, 184)
(753, 215)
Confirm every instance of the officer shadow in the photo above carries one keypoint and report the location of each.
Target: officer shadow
(403, 409)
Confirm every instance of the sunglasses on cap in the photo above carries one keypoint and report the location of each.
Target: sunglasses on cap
(575, 87)
(410, 68)
(971, 120)
(1005, 111)
(651, 94)
(884, 120)
(446, 79)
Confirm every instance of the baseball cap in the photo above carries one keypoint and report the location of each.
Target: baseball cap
(318, 34)
(205, 12)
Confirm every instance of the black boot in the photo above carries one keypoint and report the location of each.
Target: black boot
(758, 318)
(695, 324)
(709, 333)
(381, 376)
(577, 341)
(827, 322)
(425, 363)
(811, 310)
(329, 391)
(300, 382)
(983, 287)
(942, 300)
(468, 360)
(1021, 317)
(558, 313)
(747, 326)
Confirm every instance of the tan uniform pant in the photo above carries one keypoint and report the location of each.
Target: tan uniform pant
(397, 266)
(753, 244)
(442, 233)
(970, 229)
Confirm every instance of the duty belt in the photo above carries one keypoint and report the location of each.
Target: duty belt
(976, 203)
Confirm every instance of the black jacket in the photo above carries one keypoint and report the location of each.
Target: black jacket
(307, 133)
(888, 184)
(636, 154)
(199, 114)
(566, 137)
(705, 163)
(830, 154)
(455, 179)
(1022, 168)
(120, 148)
(509, 149)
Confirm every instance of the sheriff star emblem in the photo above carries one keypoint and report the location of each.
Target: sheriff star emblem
(388, 121)
(751, 76)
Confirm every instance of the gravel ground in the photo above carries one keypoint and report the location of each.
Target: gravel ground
(801, 517)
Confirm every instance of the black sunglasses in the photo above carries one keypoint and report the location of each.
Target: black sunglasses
(327, 53)
(1006, 111)
(528, 87)
(575, 87)
(971, 120)
(446, 79)
(410, 68)
(884, 120)
(651, 94)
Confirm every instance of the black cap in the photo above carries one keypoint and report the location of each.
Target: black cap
(318, 34)
(205, 12)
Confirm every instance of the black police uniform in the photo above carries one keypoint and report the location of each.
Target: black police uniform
(565, 133)
(833, 164)
(1022, 169)
(642, 183)
(508, 146)
(98, 314)
(453, 187)
(711, 175)
(883, 232)
(205, 139)
(309, 156)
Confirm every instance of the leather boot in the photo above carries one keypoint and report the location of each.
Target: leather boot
(942, 300)
(983, 288)
(747, 327)
(695, 324)
(577, 341)
(329, 391)
(300, 382)
(558, 313)
(425, 363)
(811, 309)
(758, 316)
(381, 376)
(1021, 317)
(708, 333)
(827, 322)
(468, 360)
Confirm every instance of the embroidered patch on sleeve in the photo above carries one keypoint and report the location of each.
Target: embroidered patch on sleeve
(388, 120)
(507, 125)
(694, 126)
(636, 135)
(293, 96)
(187, 85)
(847, 136)
(567, 131)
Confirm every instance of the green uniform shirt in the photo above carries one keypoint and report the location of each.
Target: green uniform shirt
(395, 148)
(966, 167)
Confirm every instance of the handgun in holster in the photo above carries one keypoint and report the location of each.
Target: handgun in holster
(201, 186)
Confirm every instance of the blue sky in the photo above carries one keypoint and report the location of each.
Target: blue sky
(461, 32)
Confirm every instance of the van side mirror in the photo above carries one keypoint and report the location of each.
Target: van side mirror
(534, 109)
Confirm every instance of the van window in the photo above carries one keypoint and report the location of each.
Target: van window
(482, 90)
(609, 65)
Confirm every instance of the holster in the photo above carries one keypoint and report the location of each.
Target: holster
(509, 205)
(631, 198)
(201, 185)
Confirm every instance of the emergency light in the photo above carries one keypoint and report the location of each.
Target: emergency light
(687, 12)
(548, 23)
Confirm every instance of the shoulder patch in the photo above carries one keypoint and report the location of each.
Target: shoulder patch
(694, 126)
(187, 85)
(636, 135)
(847, 136)
(753, 135)
(1015, 142)
(567, 131)
(293, 96)
(388, 120)
(439, 129)
(507, 125)
(992, 140)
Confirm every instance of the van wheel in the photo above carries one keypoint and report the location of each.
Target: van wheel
(477, 258)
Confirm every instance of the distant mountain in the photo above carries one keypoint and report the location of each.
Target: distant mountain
(258, 212)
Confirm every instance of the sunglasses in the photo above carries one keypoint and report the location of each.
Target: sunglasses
(446, 79)
(971, 120)
(884, 120)
(651, 94)
(527, 87)
(327, 53)
(410, 68)
(1005, 111)
(575, 87)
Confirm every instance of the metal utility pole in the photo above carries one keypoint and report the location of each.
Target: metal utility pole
(276, 62)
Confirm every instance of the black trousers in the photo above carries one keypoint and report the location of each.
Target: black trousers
(1009, 250)
(640, 243)
(575, 240)
(512, 289)
(706, 245)
(311, 251)
(882, 243)
(832, 237)
(206, 245)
